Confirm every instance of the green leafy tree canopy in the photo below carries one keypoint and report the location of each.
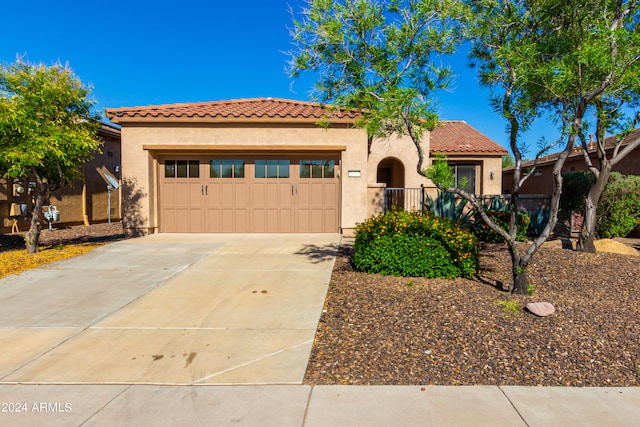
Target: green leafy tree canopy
(379, 56)
(47, 130)
(46, 124)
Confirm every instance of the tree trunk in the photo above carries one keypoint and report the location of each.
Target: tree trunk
(520, 281)
(586, 240)
(32, 237)
(520, 277)
(588, 231)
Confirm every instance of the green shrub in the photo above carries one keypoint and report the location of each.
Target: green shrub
(500, 218)
(410, 244)
(619, 207)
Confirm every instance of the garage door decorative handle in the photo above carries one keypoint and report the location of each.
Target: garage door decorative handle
(204, 190)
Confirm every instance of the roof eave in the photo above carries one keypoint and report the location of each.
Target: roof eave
(120, 119)
(469, 153)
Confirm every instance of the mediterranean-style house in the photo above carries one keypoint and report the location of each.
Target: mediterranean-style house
(541, 182)
(84, 201)
(266, 165)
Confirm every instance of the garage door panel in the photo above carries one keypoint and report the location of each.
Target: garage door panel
(331, 193)
(318, 206)
(241, 195)
(242, 201)
(259, 193)
(285, 194)
(227, 194)
(304, 221)
(258, 220)
(317, 220)
(271, 194)
(227, 215)
(271, 220)
(313, 220)
(285, 221)
(183, 217)
(214, 220)
(168, 192)
(242, 221)
(188, 193)
(168, 220)
(214, 196)
(317, 194)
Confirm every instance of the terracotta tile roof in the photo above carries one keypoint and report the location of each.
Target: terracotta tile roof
(459, 137)
(255, 108)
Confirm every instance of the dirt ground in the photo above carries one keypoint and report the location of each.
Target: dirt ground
(100, 232)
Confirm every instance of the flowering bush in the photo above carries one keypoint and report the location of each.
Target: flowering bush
(402, 243)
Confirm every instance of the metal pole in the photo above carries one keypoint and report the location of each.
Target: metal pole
(109, 187)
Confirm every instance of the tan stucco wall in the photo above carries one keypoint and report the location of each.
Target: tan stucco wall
(402, 149)
(491, 186)
(375, 196)
(139, 166)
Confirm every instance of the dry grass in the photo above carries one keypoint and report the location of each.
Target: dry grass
(17, 261)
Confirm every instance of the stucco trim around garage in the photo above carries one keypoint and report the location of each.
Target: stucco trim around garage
(235, 147)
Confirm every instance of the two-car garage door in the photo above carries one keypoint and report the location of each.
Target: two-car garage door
(242, 194)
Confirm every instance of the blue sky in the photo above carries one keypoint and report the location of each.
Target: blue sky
(141, 52)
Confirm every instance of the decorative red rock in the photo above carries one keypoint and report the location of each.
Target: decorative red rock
(541, 309)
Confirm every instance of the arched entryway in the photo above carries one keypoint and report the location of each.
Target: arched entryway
(391, 172)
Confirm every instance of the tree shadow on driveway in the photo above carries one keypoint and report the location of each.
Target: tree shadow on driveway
(319, 253)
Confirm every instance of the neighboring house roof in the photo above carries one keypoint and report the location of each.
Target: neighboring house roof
(609, 144)
(241, 109)
(107, 129)
(458, 137)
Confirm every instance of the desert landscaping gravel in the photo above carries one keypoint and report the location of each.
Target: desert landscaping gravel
(394, 330)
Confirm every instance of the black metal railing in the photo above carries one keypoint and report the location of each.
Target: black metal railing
(409, 199)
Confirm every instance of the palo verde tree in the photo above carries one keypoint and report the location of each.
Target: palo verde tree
(591, 69)
(608, 152)
(47, 131)
(535, 55)
(382, 57)
(544, 57)
(378, 56)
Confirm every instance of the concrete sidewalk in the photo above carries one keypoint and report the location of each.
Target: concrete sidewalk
(300, 405)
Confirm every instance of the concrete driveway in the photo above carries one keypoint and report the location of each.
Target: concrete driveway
(169, 309)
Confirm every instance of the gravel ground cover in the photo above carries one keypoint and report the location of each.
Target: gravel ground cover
(392, 330)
